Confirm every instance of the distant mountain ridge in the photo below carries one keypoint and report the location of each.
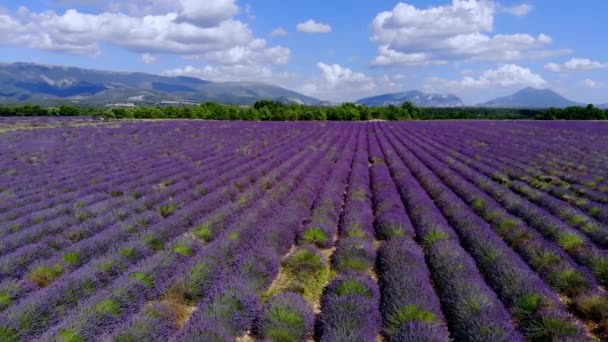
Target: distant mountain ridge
(47, 84)
(416, 97)
(531, 98)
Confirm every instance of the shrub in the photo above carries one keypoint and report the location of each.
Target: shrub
(45, 275)
(286, 317)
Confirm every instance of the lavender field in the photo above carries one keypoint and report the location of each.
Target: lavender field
(244, 231)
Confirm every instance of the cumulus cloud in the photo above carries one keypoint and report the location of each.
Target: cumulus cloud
(76, 32)
(148, 58)
(234, 73)
(278, 32)
(337, 83)
(520, 10)
(207, 13)
(253, 62)
(312, 26)
(206, 31)
(411, 36)
(591, 84)
(505, 76)
(576, 64)
(255, 53)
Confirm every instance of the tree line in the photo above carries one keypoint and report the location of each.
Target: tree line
(267, 110)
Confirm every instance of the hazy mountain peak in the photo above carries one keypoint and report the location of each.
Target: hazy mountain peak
(531, 98)
(416, 97)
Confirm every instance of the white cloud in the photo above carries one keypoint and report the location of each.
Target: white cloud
(207, 31)
(410, 36)
(148, 58)
(279, 32)
(553, 67)
(505, 76)
(337, 84)
(576, 64)
(233, 73)
(252, 63)
(311, 26)
(76, 32)
(591, 84)
(207, 13)
(255, 53)
(520, 10)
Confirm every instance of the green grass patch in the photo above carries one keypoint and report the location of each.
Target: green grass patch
(507, 225)
(122, 215)
(8, 335)
(225, 306)
(204, 233)
(183, 250)
(154, 242)
(45, 275)
(144, 278)
(202, 191)
(595, 211)
(479, 204)
(72, 258)
(304, 263)
(304, 272)
(352, 287)
(570, 282)
(6, 299)
(577, 220)
(116, 193)
(570, 241)
(435, 236)
(128, 252)
(529, 305)
(354, 262)
(285, 325)
(593, 308)
(167, 210)
(70, 335)
(600, 270)
(551, 329)
(315, 236)
(407, 314)
(356, 234)
(394, 230)
(108, 307)
(545, 259)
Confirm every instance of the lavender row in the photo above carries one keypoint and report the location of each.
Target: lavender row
(410, 307)
(185, 150)
(80, 326)
(349, 306)
(124, 229)
(564, 276)
(78, 282)
(110, 187)
(455, 274)
(514, 282)
(576, 218)
(570, 240)
(236, 324)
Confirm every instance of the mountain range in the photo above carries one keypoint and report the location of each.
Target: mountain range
(51, 85)
(531, 98)
(418, 98)
(45, 84)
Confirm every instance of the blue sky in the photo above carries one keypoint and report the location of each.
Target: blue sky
(335, 50)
